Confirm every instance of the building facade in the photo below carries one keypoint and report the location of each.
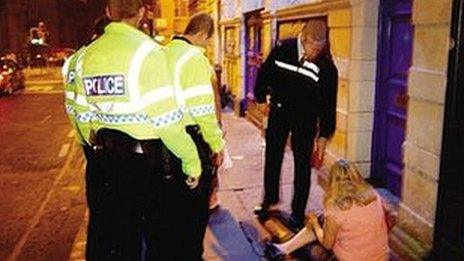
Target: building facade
(172, 17)
(392, 57)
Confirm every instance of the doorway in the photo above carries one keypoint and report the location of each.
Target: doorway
(395, 43)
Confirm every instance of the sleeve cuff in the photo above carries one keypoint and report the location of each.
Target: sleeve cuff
(218, 147)
(193, 172)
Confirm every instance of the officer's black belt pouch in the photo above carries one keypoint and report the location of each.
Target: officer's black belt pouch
(203, 148)
(115, 142)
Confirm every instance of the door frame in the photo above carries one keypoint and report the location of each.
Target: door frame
(377, 178)
(449, 220)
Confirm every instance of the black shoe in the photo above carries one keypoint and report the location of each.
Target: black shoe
(271, 252)
(262, 212)
(296, 223)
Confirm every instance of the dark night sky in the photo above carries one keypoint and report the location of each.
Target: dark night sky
(70, 22)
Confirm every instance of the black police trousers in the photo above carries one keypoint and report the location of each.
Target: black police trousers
(282, 121)
(139, 205)
(189, 208)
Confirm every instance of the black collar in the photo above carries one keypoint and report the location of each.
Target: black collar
(180, 37)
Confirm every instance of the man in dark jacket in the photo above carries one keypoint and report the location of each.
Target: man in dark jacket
(302, 80)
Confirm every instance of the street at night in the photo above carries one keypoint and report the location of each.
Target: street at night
(42, 201)
(231, 130)
(42, 183)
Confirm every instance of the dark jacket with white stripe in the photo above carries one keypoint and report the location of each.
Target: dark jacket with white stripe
(308, 89)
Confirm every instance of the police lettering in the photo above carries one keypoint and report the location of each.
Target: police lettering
(71, 77)
(104, 85)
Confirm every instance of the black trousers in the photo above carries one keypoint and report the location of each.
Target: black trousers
(140, 207)
(282, 121)
(189, 208)
(124, 198)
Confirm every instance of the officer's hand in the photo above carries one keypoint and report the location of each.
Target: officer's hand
(192, 182)
(218, 158)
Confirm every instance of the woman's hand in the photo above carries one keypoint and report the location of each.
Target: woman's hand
(312, 219)
(315, 226)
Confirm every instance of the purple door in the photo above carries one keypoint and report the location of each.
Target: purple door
(394, 60)
(253, 54)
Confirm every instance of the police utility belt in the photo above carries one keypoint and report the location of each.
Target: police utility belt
(116, 144)
(114, 141)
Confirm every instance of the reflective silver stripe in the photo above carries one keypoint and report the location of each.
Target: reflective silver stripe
(202, 110)
(151, 97)
(134, 68)
(136, 102)
(79, 62)
(84, 117)
(77, 98)
(180, 96)
(308, 73)
(200, 90)
(311, 66)
(64, 69)
(287, 66)
(158, 95)
(81, 100)
(70, 109)
(69, 95)
(136, 118)
(297, 69)
(168, 118)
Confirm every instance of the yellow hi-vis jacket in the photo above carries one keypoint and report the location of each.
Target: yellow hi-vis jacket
(192, 74)
(72, 108)
(125, 85)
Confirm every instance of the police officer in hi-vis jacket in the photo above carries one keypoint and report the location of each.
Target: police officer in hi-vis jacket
(73, 104)
(192, 74)
(124, 95)
(301, 78)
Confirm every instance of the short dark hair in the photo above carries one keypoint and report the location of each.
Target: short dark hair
(123, 9)
(201, 22)
(100, 24)
(316, 29)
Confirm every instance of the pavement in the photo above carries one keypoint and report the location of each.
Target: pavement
(233, 232)
(241, 190)
(42, 201)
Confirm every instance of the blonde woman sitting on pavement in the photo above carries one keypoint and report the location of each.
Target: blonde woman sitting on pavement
(355, 224)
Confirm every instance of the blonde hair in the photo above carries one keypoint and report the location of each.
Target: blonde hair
(347, 187)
